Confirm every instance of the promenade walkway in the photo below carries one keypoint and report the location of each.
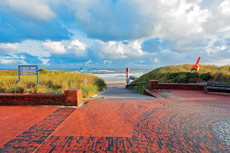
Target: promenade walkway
(119, 120)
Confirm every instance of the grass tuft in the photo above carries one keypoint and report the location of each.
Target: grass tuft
(182, 74)
(54, 82)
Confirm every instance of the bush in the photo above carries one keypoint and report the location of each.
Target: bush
(43, 71)
(205, 76)
(181, 78)
(139, 89)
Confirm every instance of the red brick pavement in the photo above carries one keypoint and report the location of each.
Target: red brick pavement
(201, 97)
(16, 119)
(30, 139)
(173, 122)
(107, 118)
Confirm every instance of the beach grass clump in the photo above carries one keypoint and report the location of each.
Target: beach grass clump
(182, 74)
(52, 82)
(140, 89)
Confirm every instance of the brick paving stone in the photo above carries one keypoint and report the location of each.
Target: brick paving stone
(201, 97)
(107, 117)
(16, 119)
(30, 139)
(175, 121)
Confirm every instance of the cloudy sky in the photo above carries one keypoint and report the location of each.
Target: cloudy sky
(142, 34)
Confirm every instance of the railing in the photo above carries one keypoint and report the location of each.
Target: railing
(140, 84)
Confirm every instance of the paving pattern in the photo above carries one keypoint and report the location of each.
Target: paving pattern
(222, 130)
(30, 139)
(175, 121)
(16, 119)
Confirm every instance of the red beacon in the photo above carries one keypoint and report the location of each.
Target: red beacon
(196, 66)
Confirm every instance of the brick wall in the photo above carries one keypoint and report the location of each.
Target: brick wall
(181, 86)
(73, 99)
(153, 84)
(32, 99)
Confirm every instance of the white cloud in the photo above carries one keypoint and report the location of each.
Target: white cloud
(8, 60)
(75, 44)
(117, 50)
(219, 47)
(156, 60)
(44, 61)
(22, 57)
(33, 48)
(107, 62)
(134, 19)
(8, 47)
(219, 22)
(54, 46)
(225, 7)
(141, 62)
(30, 9)
(77, 47)
(180, 18)
(88, 62)
(105, 20)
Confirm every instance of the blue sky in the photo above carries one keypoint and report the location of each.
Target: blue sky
(141, 34)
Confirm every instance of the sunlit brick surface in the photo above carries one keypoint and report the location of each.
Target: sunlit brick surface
(176, 121)
(31, 138)
(107, 118)
(16, 119)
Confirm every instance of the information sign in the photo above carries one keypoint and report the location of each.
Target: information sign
(28, 70)
(28, 73)
(84, 69)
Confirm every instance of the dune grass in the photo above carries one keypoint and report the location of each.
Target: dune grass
(54, 82)
(182, 74)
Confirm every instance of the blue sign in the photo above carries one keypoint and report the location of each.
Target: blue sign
(28, 70)
(84, 69)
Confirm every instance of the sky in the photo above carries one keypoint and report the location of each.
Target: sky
(139, 34)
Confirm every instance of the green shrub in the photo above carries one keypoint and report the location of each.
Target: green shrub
(139, 89)
(43, 71)
(205, 76)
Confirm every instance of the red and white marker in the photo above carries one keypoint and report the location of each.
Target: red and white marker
(85, 80)
(127, 75)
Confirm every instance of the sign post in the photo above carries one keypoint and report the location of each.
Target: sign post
(127, 75)
(28, 70)
(84, 70)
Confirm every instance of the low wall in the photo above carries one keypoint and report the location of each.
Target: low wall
(32, 99)
(73, 99)
(181, 86)
(154, 84)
